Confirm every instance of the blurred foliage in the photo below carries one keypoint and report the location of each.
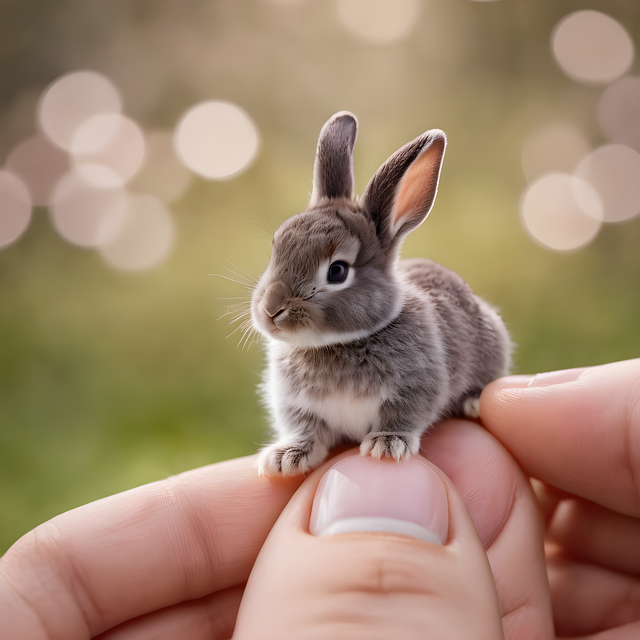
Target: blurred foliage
(109, 379)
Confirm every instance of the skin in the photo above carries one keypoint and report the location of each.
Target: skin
(578, 433)
(172, 559)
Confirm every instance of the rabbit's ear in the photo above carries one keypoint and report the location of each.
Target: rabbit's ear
(401, 193)
(333, 169)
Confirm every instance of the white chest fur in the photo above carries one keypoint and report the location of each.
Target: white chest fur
(346, 415)
(349, 412)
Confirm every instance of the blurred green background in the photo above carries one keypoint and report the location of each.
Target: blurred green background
(110, 379)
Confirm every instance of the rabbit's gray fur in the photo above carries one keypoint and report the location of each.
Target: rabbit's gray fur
(395, 348)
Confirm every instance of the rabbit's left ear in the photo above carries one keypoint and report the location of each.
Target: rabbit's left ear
(333, 169)
(401, 193)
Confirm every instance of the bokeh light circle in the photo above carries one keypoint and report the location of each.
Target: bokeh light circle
(161, 174)
(592, 47)
(619, 111)
(108, 149)
(561, 211)
(83, 214)
(555, 147)
(143, 237)
(614, 171)
(40, 165)
(15, 208)
(72, 99)
(379, 21)
(216, 139)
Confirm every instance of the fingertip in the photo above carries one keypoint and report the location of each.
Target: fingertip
(514, 399)
(298, 573)
(574, 429)
(516, 381)
(480, 468)
(359, 493)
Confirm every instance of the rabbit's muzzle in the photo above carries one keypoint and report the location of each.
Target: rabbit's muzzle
(283, 310)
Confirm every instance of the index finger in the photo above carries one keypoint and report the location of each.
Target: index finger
(578, 430)
(179, 539)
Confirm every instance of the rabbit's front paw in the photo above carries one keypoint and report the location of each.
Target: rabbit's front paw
(389, 445)
(290, 459)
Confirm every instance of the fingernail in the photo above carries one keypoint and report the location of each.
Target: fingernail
(542, 379)
(362, 494)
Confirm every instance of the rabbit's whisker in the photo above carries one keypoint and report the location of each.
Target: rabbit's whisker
(248, 333)
(238, 307)
(242, 284)
(257, 220)
(235, 318)
(273, 231)
(248, 276)
(241, 327)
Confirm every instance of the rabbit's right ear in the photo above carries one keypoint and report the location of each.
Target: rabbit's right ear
(401, 193)
(333, 169)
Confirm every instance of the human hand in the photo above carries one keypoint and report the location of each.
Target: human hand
(366, 584)
(578, 433)
(170, 560)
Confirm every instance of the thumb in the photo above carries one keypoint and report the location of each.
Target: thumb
(372, 549)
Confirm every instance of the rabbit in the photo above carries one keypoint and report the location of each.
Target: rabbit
(362, 346)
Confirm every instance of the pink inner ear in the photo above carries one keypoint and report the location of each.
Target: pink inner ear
(417, 189)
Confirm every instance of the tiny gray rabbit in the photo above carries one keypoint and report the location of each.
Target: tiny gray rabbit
(362, 346)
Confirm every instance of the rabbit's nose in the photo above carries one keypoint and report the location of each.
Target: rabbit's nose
(275, 299)
(273, 316)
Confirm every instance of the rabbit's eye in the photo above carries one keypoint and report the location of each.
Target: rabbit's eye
(338, 271)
